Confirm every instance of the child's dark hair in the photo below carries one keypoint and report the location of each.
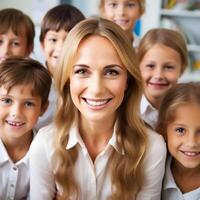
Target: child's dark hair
(17, 70)
(60, 17)
(17, 21)
(178, 95)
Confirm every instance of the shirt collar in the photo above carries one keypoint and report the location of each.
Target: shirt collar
(169, 179)
(145, 105)
(74, 138)
(3, 153)
(4, 157)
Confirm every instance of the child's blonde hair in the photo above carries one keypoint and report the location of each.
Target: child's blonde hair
(126, 170)
(167, 37)
(178, 95)
(140, 2)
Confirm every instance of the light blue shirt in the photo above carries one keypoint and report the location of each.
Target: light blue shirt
(171, 190)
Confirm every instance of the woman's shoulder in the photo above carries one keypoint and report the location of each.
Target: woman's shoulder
(45, 135)
(156, 145)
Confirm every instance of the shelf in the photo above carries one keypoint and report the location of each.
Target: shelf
(193, 47)
(180, 13)
(193, 76)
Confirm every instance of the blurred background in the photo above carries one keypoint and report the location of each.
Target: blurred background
(181, 15)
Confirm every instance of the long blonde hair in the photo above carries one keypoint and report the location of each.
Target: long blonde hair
(126, 170)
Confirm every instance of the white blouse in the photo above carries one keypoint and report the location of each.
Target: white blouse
(93, 178)
(14, 177)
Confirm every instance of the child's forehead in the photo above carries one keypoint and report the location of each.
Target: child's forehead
(15, 30)
(21, 88)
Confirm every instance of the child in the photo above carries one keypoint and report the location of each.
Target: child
(125, 13)
(179, 124)
(163, 57)
(98, 147)
(56, 24)
(16, 34)
(24, 89)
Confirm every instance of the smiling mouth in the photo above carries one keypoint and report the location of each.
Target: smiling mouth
(96, 103)
(190, 153)
(15, 124)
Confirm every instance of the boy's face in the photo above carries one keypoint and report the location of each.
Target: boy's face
(122, 12)
(19, 111)
(160, 69)
(52, 46)
(13, 45)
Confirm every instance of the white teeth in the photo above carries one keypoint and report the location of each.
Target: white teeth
(96, 103)
(187, 153)
(15, 123)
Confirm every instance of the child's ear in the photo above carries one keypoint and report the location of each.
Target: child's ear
(44, 108)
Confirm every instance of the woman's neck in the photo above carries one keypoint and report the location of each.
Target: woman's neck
(95, 136)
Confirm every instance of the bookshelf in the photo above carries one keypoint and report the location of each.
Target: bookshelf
(183, 16)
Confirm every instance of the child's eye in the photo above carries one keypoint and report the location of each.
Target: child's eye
(6, 101)
(112, 5)
(29, 104)
(1, 42)
(180, 130)
(52, 40)
(15, 44)
(131, 4)
(169, 67)
(150, 66)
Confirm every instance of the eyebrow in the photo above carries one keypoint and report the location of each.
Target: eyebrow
(107, 66)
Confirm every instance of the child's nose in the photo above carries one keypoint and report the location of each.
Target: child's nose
(121, 10)
(6, 49)
(158, 73)
(15, 110)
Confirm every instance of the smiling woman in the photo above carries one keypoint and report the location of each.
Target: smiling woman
(98, 147)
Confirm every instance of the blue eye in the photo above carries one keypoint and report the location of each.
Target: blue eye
(6, 101)
(180, 130)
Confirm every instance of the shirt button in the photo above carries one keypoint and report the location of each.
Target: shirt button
(12, 185)
(15, 168)
(10, 198)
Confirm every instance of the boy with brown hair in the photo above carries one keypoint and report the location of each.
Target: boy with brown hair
(16, 34)
(24, 90)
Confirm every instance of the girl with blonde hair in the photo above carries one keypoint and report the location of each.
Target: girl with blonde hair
(98, 147)
(163, 58)
(179, 124)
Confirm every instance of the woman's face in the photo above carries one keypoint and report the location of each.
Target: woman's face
(98, 80)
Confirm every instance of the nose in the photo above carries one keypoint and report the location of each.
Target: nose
(97, 85)
(5, 49)
(120, 10)
(15, 110)
(59, 45)
(158, 73)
